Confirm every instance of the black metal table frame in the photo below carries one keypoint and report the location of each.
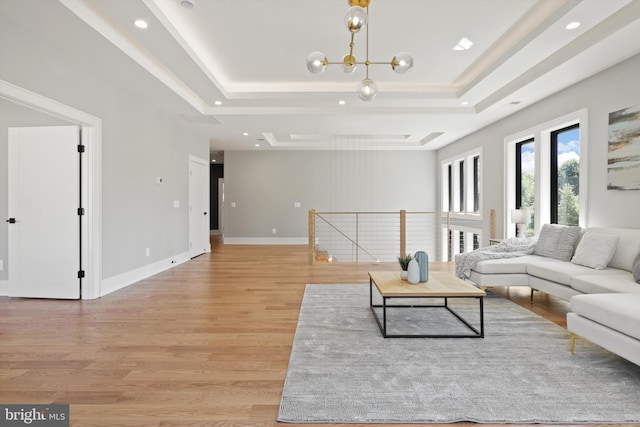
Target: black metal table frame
(383, 324)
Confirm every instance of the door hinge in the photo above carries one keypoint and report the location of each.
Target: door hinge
(80, 274)
(80, 148)
(80, 211)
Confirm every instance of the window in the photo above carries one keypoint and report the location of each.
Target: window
(461, 185)
(565, 175)
(545, 174)
(526, 179)
(463, 229)
(476, 183)
(450, 187)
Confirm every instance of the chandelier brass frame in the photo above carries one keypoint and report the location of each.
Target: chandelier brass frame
(356, 19)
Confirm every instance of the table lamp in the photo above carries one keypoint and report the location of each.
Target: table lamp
(521, 217)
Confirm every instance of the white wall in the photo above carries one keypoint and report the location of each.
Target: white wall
(139, 143)
(264, 186)
(610, 90)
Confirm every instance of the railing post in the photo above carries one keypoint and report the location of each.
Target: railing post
(312, 233)
(403, 232)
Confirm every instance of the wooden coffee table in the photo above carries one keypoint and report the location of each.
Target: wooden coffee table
(440, 285)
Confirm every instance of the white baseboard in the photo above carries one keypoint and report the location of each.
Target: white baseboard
(266, 240)
(4, 288)
(120, 281)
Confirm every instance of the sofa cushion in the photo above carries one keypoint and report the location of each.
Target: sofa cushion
(636, 269)
(620, 312)
(557, 241)
(614, 283)
(595, 249)
(562, 272)
(628, 246)
(508, 265)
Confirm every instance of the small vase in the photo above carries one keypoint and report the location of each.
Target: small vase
(413, 272)
(403, 274)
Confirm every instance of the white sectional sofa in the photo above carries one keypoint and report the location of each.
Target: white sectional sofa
(610, 320)
(559, 276)
(596, 269)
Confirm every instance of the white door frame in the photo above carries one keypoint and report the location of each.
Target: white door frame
(91, 128)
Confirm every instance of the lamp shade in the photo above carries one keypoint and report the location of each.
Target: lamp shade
(520, 216)
(367, 90)
(402, 63)
(355, 19)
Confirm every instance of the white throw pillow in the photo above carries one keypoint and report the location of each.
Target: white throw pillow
(557, 241)
(595, 250)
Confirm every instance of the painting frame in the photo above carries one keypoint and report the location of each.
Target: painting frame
(623, 149)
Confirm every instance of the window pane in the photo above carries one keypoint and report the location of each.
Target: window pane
(461, 186)
(476, 183)
(566, 147)
(525, 176)
(450, 187)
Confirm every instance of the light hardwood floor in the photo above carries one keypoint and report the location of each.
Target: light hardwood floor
(204, 344)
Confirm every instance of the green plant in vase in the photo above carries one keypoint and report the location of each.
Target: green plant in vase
(404, 264)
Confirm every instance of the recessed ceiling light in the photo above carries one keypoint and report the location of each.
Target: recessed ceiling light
(257, 145)
(463, 44)
(464, 103)
(141, 23)
(213, 161)
(342, 102)
(218, 102)
(245, 133)
(572, 25)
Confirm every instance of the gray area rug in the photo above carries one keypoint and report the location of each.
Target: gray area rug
(342, 370)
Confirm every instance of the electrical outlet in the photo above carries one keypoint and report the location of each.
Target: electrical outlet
(273, 231)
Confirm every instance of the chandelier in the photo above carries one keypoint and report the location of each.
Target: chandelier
(356, 19)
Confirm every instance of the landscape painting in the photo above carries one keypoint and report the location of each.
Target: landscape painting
(623, 171)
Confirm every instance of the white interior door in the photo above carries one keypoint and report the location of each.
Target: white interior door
(198, 207)
(44, 231)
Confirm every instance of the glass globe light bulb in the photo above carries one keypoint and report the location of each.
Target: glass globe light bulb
(402, 63)
(349, 64)
(355, 19)
(367, 90)
(316, 62)
(348, 69)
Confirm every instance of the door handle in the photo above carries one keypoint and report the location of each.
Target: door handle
(11, 220)
(205, 213)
